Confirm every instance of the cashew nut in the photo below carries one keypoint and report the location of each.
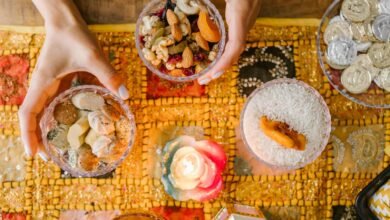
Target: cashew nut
(161, 47)
(148, 22)
(148, 54)
(189, 7)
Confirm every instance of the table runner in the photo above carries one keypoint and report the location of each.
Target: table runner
(325, 189)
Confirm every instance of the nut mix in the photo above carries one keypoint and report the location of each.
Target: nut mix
(89, 131)
(180, 39)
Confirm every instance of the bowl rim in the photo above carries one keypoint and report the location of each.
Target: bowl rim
(48, 115)
(221, 45)
(327, 129)
(320, 56)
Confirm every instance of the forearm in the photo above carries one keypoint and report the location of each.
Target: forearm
(59, 13)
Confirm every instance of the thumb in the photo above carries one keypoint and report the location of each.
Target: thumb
(109, 78)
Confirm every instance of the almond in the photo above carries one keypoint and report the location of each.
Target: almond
(171, 17)
(176, 32)
(188, 58)
(201, 42)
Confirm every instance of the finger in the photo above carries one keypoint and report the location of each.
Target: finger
(109, 78)
(38, 93)
(229, 57)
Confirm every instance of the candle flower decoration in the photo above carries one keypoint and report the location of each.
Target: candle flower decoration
(192, 169)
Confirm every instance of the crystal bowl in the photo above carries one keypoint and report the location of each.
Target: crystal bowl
(155, 5)
(48, 122)
(325, 133)
(374, 97)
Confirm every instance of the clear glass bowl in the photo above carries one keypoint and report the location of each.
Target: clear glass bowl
(374, 97)
(154, 6)
(325, 133)
(48, 122)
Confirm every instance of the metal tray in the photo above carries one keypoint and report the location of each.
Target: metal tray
(364, 196)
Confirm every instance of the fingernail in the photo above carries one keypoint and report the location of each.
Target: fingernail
(123, 93)
(204, 81)
(43, 156)
(217, 75)
(27, 150)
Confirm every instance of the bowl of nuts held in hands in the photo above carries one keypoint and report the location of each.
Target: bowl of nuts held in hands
(180, 40)
(87, 131)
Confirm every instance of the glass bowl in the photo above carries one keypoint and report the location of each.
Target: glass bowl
(325, 133)
(374, 97)
(156, 5)
(48, 122)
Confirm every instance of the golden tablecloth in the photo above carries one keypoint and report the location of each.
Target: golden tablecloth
(353, 157)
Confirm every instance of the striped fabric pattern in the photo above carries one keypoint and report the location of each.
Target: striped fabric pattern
(380, 202)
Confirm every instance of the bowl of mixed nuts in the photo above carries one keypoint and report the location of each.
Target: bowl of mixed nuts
(180, 40)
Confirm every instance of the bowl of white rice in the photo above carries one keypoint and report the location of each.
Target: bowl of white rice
(296, 104)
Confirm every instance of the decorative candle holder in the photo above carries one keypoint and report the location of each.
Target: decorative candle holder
(192, 169)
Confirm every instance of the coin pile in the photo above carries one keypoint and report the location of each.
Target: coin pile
(358, 42)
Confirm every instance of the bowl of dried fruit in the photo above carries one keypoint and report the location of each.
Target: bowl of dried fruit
(180, 40)
(87, 131)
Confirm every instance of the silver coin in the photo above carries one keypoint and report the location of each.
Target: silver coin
(337, 30)
(383, 79)
(355, 10)
(364, 46)
(362, 31)
(384, 6)
(374, 9)
(379, 53)
(336, 18)
(365, 61)
(381, 27)
(356, 79)
(341, 53)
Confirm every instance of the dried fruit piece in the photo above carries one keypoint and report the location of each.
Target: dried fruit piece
(179, 48)
(88, 101)
(159, 33)
(201, 41)
(176, 32)
(77, 132)
(171, 17)
(65, 113)
(281, 133)
(86, 159)
(208, 29)
(111, 112)
(188, 58)
(177, 73)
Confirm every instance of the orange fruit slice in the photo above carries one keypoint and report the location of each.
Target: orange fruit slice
(282, 134)
(208, 29)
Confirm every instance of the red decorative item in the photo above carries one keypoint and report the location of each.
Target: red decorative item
(158, 87)
(13, 216)
(13, 79)
(176, 213)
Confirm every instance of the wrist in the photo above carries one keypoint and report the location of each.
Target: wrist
(59, 13)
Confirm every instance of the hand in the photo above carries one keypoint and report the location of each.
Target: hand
(240, 17)
(68, 47)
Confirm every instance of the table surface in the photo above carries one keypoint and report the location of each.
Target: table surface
(23, 12)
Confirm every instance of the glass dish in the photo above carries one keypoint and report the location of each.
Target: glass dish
(48, 122)
(156, 5)
(325, 132)
(374, 97)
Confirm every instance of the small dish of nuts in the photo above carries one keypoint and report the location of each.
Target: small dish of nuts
(87, 131)
(180, 40)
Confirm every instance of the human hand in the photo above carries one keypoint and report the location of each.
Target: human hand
(240, 17)
(69, 47)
